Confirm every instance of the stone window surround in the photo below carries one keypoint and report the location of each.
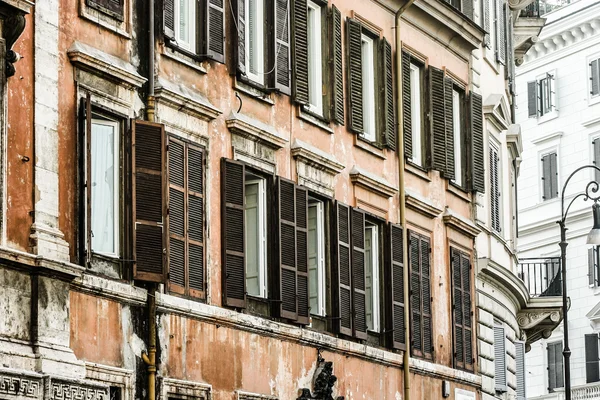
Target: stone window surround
(112, 376)
(181, 389)
(121, 28)
(241, 395)
(322, 166)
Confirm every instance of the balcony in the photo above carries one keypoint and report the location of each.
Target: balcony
(531, 11)
(527, 26)
(590, 391)
(541, 276)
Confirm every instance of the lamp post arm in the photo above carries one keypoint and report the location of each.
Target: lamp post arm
(592, 187)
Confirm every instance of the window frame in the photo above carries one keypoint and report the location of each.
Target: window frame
(263, 254)
(369, 97)
(376, 262)
(315, 59)
(417, 121)
(321, 256)
(192, 29)
(259, 76)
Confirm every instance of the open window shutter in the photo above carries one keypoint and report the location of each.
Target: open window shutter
(550, 79)
(494, 190)
(532, 99)
(113, 7)
(85, 179)
(215, 29)
(354, 66)
(438, 119)
(344, 295)
(459, 357)
(465, 268)
(287, 248)
(546, 179)
(553, 175)
(558, 357)
(503, 31)
(395, 279)
(596, 161)
(169, 18)
(148, 208)
(388, 98)
(176, 252)
(592, 366)
(449, 111)
(591, 267)
(406, 105)
(467, 8)
(415, 295)
(282, 46)
(595, 77)
(426, 298)
(521, 377)
(486, 22)
(499, 359)
(477, 151)
(359, 297)
(551, 366)
(195, 215)
(338, 74)
(232, 233)
(302, 254)
(300, 51)
(499, 25)
(241, 35)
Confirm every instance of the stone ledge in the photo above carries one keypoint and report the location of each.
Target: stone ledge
(421, 205)
(372, 182)
(109, 288)
(460, 223)
(255, 130)
(315, 157)
(186, 99)
(23, 260)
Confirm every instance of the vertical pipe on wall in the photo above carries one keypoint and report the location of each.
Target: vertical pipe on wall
(150, 357)
(150, 99)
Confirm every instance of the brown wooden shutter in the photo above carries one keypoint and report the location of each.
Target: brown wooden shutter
(388, 96)
(84, 176)
(337, 70)
(415, 295)
(478, 162)
(359, 297)
(458, 308)
(354, 67)
(596, 161)
(486, 22)
(406, 105)
(215, 29)
(148, 206)
(438, 118)
(232, 233)
(176, 225)
(465, 265)
(112, 7)
(426, 298)
(395, 279)
(532, 99)
(302, 254)
(343, 271)
(449, 173)
(169, 19)
(286, 191)
(595, 77)
(282, 46)
(300, 51)
(195, 215)
(241, 36)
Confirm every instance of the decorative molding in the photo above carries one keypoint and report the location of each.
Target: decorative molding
(109, 288)
(529, 319)
(525, 35)
(12, 28)
(547, 137)
(514, 142)
(496, 109)
(323, 382)
(590, 122)
(241, 395)
(20, 384)
(188, 390)
(255, 130)
(315, 168)
(372, 182)
(185, 99)
(421, 205)
(460, 223)
(100, 63)
(75, 390)
(22, 260)
(516, 5)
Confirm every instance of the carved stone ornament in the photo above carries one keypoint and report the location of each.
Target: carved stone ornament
(12, 28)
(323, 382)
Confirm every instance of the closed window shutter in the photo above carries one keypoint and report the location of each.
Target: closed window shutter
(282, 46)
(337, 56)
(546, 177)
(287, 248)
(169, 19)
(465, 265)
(592, 366)
(459, 356)
(595, 77)
(177, 216)
(387, 83)
(148, 209)
(478, 162)
(406, 105)
(500, 28)
(449, 171)
(596, 144)
(426, 298)
(195, 216)
(112, 7)
(467, 8)
(300, 47)
(499, 359)
(494, 190)
(395, 271)
(532, 99)
(415, 295)
(241, 36)
(558, 357)
(438, 119)
(521, 374)
(486, 22)
(551, 366)
(354, 66)
(344, 290)
(358, 274)
(554, 175)
(302, 254)
(215, 30)
(592, 266)
(232, 233)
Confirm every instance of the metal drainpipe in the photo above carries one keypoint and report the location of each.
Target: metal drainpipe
(150, 99)
(150, 357)
(399, 134)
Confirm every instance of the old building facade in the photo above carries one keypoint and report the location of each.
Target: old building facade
(218, 199)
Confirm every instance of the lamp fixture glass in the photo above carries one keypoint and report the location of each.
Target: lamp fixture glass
(594, 235)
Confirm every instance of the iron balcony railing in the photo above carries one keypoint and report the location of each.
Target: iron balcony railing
(532, 10)
(541, 276)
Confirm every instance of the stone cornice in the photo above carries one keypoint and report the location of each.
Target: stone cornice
(253, 129)
(460, 223)
(421, 205)
(372, 182)
(34, 263)
(317, 158)
(186, 99)
(514, 142)
(119, 291)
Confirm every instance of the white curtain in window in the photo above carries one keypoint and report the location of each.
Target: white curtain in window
(103, 188)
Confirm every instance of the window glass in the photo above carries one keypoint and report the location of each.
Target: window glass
(255, 220)
(254, 39)
(372, 276)
(316, 257)
(315, 71)
(456, 104)
(368, 86)
(185, 24)
(415, 103)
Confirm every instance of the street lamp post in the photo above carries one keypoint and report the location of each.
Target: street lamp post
(592, 193)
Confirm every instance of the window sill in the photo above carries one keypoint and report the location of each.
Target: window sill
(253, 92)
(313, 120)
(547, 117)
(368, 147)
(183, 57)
(417, 170)
(458, 191)
(593, 99)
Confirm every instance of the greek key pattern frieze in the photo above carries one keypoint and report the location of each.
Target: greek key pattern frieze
(19, 386)
(70, 391)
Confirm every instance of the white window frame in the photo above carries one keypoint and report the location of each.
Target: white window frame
(117, 193)
(553, 111)
(320, 311)
(368, 88)
(262, 229)
(416, 114)
(315, 60)
(373, 231)
(456, 128)
(189, 45)
(258, 41)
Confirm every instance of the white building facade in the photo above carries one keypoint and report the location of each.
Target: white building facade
(558, 108)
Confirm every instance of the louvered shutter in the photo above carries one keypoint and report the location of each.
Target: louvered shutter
(359, 297)
(465, 268)
(467, 8)
(169, 19)
(553, 175)
(388, 96)
(438, 121)
(344, 290)
(232, 233)
(354, 67)
(532, 99)
(592, 266)
(195, 215)
(595, 77)
(558, 357)
(282, 46)
(486, 22)
(459, 353)
(395, 280)
(596, 144)
(112, 7)
(494, 190)
(415, 295)
(337, 71)
(520, 373)
(287, 248)
(406, 106)
(546, 180)
(148, 208)
(85, 179)
(551, 366)
(302, 255)
(241, 35)
(215, 30)
(500, 25)
(592, 367)
(449, 173)
(477, 151)
(300, 51)
(426, 297)
(499, 359)
(177, 216)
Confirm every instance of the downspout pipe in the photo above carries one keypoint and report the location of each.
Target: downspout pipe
(400, 139)
(150, 106)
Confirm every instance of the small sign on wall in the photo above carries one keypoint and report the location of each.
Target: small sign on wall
(460, 394)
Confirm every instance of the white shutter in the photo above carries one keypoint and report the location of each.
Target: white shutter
(521, 381)
(499, 359)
